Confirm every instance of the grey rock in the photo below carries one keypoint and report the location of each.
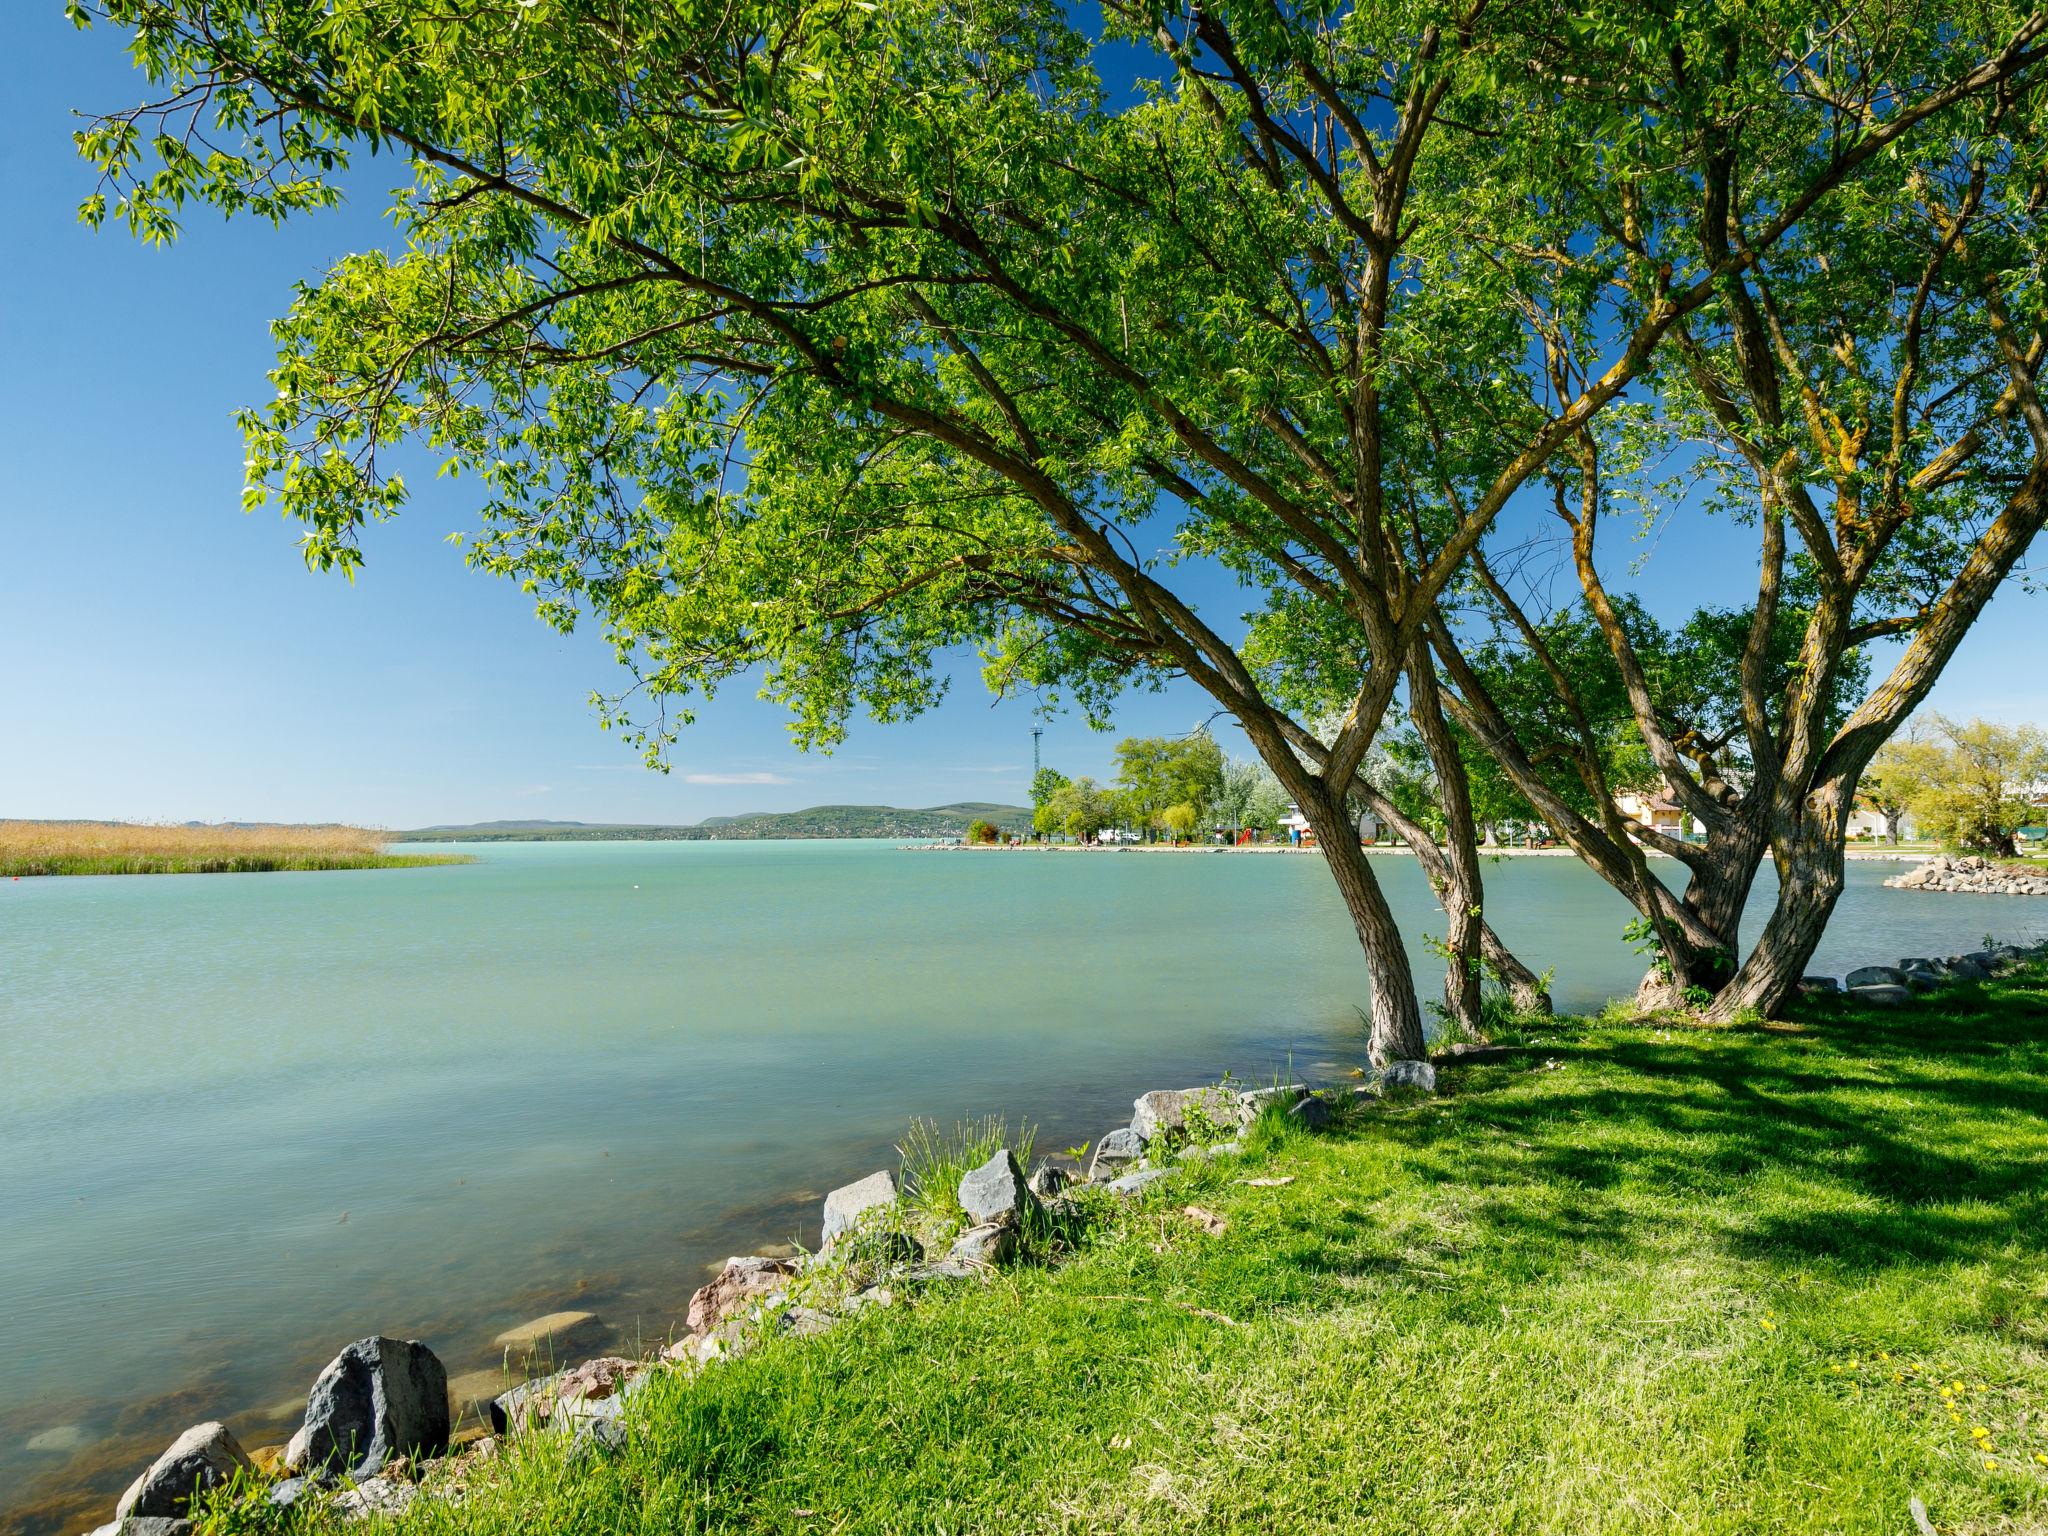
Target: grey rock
(377, 1399)
(1968, 968)
(996, 1192)
(1876, 976)
(510, 1411)
(1312, 1112)
(203, 1457)
(1253, 1101)
(1048, 1179)
(1985, 959)
(375, 1496)
(1882, 994)
(1165, 1110)
(873, 1296)
(1120, 1146)
(847, 1204)
(1920, 963)
(1922, 981)
(146, 1525)
(1132, 1183)
(1418, 1075)
(1818, 986)
(285, 1494)
(1196, 1154)
(804, 1322)
(986, 1245)
(596, 1438)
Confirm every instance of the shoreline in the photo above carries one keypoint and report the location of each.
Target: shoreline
(1392, 850)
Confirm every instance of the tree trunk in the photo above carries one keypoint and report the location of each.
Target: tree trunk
(1715, 895)
(1463, 895)
(1811, 861)
(1396, 1016)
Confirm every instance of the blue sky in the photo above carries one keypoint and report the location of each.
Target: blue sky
(165, 656)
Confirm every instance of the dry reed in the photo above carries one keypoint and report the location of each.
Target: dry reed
(141, 848)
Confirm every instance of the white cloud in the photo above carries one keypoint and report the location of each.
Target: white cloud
(736, 778)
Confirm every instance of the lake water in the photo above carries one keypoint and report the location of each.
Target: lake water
(252, 1117)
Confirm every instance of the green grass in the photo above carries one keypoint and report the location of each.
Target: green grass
(1653, 1280)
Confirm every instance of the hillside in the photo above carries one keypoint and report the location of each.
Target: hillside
(817, 821)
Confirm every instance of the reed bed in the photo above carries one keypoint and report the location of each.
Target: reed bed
(143, 848)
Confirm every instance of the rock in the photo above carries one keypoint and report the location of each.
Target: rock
(1881, 994)
(377, 1399)
(203, 1457)
(146, 1525)
(1132, 1183)
(1048, 1179)
(987, 1245)
(847, 1204)
(1818, 986)
(597, 1437)
(375, 1496)
(1118, 1147)
(1876, 976)
(1417, 1075)
(1165, 1110)
(1198, 1153)
(1968, 968)
(1253, 1101)
(1922, 981)
(996, 1193)
(577, 1392)
(1311, 1112)
(550, 1337)
(804, 1322)
(1921, 963)
(283, 1495)
(740, 1282)
(473, 1389)
(873, 1296)
(61, 1441)
(608, 1376)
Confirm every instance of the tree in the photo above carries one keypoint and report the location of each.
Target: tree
(1044, 784)
(1157, 773)
(1248, 796)
(979, 831)
(1900, 772)
(1981, 780)
(1180, 821)
(1080, 809)
(814, 347)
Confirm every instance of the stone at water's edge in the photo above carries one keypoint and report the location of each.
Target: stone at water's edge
(846, 1204)
(1168, 1109)
(741, 1281)
(546, 1337)
(1132, 1183)
(1048, 1179)
(1253, 1101)
(203, 1457)
(1419, 1075)
(1818, 986)
(1312, 1112)
(1882, 994)
(995, 1192)
(1117, 1147)
(1876, 976)
(146, 1525)
(377, 1399)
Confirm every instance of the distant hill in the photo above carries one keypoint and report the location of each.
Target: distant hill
(818, 821)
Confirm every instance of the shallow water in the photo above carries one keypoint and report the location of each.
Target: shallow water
(252, 1117)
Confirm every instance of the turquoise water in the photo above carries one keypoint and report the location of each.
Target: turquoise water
(250, 1118)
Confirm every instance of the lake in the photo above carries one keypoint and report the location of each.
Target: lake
(253, 1117)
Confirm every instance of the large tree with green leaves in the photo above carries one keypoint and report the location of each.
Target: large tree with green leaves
(814, 342)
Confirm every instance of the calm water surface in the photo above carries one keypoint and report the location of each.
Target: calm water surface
(250, 1118)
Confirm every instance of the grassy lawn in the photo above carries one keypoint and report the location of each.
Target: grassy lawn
(1657, 1280)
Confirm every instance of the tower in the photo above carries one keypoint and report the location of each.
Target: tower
(1036, 732)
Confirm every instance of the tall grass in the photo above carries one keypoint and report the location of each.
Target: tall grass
(936, 1159)
(141, 848)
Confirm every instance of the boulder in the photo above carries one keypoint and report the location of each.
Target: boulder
(1876, 976)
(595, 1438)
(375, 1496)
(847, 1204)
(1048, 1179)
(203, 1457)
(1312, 1112)
(742, 1280)
(146, 1525)
(287, 1492)
(473, 1389)
(1968, 968)
(1120, 1146)
(995, 1193)
(593, 1388)
(1133, 1183)
(1818, 986)
(1417, 1075)
(1253, 1101)
(804, 1322)
(377, 1399)
(550, 1337)
(1196, 1154)
(1165, 1110)
(1882, 994)
(987, 1245)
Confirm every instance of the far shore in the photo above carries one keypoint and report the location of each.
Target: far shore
(1397, 850)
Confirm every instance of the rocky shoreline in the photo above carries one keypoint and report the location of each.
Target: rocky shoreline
(383, 1424)
(1890, 985)
(1973, 876)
